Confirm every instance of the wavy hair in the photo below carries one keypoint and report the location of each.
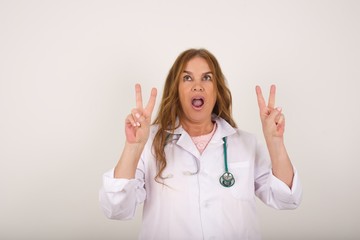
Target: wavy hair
(170, 108)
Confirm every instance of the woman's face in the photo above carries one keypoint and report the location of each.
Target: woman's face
(197, 91)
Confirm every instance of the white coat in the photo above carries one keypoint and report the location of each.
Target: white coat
(193, 204)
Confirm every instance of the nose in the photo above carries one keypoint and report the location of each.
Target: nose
(197, 88)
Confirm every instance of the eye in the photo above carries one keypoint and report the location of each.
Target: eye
(207, 77)
(187, 78)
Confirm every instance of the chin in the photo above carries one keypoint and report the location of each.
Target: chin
(199, 117)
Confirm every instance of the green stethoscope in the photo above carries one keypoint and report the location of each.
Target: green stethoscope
(227, 179)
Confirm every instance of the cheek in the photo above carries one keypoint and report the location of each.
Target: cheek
(182, 95)
(184, 90)
(181, 98)
(213, 92)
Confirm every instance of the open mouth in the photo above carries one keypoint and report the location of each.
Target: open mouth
(197, 102)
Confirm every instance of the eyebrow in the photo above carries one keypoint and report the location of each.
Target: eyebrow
(188, 72)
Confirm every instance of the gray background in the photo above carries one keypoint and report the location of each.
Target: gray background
(67, 74)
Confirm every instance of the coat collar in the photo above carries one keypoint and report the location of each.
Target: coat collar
(224, 129)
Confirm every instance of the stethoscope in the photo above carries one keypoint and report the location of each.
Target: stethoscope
(227, 178)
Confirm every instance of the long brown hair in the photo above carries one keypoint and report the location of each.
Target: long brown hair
(170, 108)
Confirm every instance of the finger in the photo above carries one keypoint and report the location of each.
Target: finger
(275, 115)
(136, 114)
(271, 103)
(281, 123)
(281, 119)
(139, 103)
(150, 106)
(260, 98)
(130, 120)
(277, 118)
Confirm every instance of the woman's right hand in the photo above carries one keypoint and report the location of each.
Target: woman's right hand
(137, 124)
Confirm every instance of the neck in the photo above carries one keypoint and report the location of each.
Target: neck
(195, 129)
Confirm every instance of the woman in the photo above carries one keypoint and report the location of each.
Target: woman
(196, 173)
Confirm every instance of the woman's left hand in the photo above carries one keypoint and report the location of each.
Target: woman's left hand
(272, 119)
(273, 124)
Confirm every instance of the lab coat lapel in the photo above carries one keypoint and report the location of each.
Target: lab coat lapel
(188, 145)
(224, 129)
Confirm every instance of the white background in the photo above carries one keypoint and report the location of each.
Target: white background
(67, 75)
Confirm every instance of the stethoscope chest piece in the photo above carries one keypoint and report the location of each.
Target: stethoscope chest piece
(227, 179)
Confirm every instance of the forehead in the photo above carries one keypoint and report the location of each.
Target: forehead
(197, 64)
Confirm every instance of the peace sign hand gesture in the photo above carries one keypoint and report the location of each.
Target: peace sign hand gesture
(272, 119)
(273, 124)
(137, 124)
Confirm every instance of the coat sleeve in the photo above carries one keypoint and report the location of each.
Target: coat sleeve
(271, 190)
(120, 197)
